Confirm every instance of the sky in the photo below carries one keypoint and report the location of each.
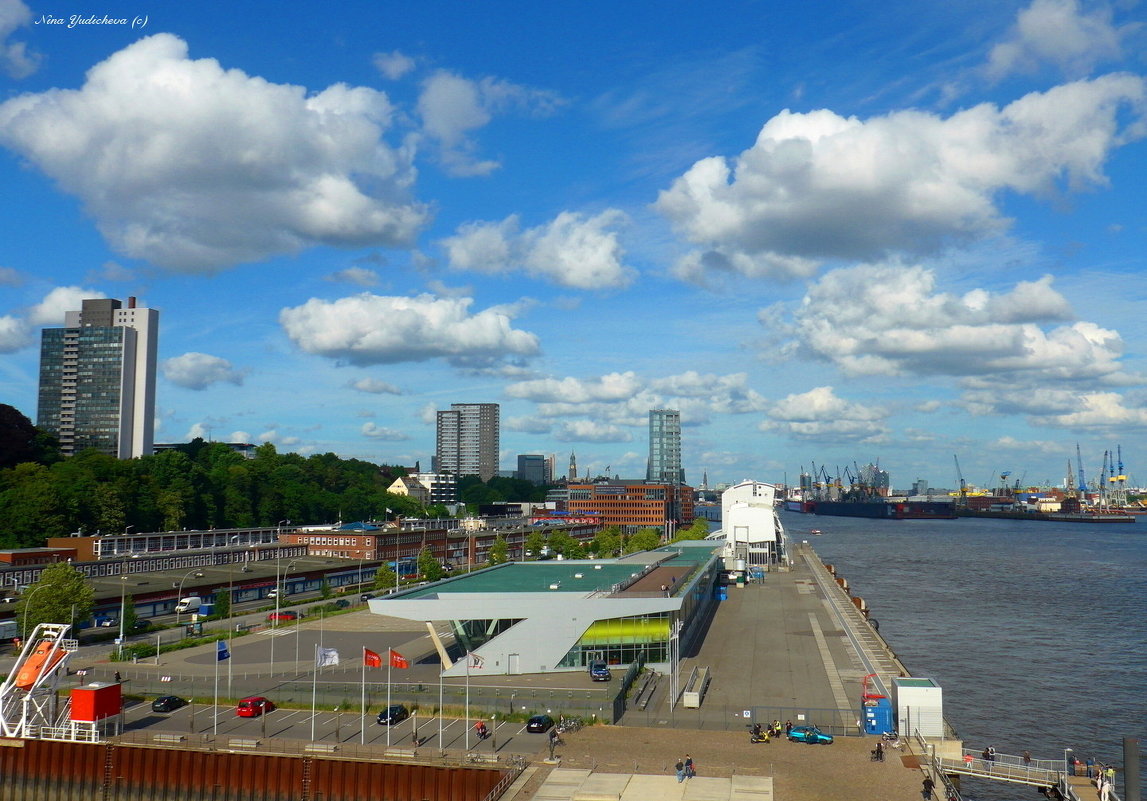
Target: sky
(825, 233)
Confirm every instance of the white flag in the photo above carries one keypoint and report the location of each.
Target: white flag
(327, 656)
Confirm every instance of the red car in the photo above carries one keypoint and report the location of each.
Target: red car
(283, 616)
(254, 706)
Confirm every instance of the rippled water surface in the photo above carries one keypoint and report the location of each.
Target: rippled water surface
(1036, 631)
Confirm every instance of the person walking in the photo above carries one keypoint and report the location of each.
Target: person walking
(690, 771)
(878, 752)
(929, 786)
(680, 768)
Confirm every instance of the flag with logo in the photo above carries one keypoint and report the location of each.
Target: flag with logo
(327, 657)
(371, 659)
(398, 660)
(475, 661)
(222, 652)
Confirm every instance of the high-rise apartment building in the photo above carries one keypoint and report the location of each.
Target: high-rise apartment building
(468, 440)
(97, 378)
(665, 447)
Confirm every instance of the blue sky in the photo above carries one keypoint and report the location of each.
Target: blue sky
(824, 234)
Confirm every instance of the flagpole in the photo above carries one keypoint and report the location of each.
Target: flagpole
(314, 688)
(362, 702)
(389, 663)
(441, 747)
(467, 700)
(215, 706)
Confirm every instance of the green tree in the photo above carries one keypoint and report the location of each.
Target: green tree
(499, 552)
(644, 540)
(325, 590)
(385, 579)
(222, 603)
(534, 543)
(428, 565)
(60, 596)
(607, 542)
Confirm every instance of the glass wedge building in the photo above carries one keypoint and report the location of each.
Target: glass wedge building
(665, 447)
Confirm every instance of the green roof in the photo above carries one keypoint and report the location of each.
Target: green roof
(570, 575)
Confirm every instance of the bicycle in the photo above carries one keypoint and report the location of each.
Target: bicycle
(893, 739)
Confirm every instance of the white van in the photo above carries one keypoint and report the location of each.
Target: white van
(189, 604)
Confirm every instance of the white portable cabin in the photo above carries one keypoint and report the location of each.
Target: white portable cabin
(919, 706)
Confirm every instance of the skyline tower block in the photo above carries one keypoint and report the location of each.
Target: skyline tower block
(469, 440)
(665, 447)
(97, 379)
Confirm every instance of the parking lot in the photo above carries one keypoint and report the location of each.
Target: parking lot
(418, 731)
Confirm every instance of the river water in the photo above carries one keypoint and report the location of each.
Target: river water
(1036, 631)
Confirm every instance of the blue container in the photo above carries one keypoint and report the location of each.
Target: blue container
(877, 715)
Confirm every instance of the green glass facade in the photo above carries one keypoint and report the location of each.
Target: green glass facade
(82, 385)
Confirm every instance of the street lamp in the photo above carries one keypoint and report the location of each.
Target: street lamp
(278, 595)
(179, 592)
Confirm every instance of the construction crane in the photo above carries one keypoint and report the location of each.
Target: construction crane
(1082, 480)
(963, 484)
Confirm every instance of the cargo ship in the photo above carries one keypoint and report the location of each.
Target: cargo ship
(884, 510)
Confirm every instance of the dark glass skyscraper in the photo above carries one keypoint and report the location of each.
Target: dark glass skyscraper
(97, 379)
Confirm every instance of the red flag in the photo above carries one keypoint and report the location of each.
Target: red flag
(398, 660)
(371, 659)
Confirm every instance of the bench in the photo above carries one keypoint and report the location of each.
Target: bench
(321, 748)
(242, 742)
(401, 753)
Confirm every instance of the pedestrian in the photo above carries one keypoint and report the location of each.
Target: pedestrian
(1027, 759)
(680, 768)
(690, 770)
(1091, 767)
(117, 677)
(929, 785)
(1109, 774)
(788, 727)
(1104, 789)
(878, 752)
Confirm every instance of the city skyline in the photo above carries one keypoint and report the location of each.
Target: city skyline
(823, 234)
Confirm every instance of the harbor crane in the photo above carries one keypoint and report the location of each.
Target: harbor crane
(963, 484)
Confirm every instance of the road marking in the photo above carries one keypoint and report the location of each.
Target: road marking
(834, 681)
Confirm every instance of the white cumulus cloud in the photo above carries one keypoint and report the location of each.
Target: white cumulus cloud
(590, 431)
(387, 434)
(892, 320)
(194, 167)
(818, 186)
(372, 329)
(15, 58)
(375, 387)
(451, 107)
(571, 250)
(820, 414)
(1057, 32)
(393, 65)
(200, 370)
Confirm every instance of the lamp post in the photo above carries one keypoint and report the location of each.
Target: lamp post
(179, 592)
(278, 595)
(27, 602)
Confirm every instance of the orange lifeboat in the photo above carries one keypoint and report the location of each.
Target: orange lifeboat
(41, 662)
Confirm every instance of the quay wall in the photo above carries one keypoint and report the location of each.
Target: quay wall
(43, 770)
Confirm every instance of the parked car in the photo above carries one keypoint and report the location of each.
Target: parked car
(107, 622)
(539, 723)
(141, 625)
(395, 713)
(283, 616)
(254, 706)
(599, 671)
(167, 703)
(809, 734)
(342, 603)
(366, 596)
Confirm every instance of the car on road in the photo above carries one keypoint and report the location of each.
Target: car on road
(809, 734)
(167, 703)
(342, 603)
(254, 706)
(366, 596)
(395, 713)
(283, 616)
(599, 671)
(141, 625)
(539, 723)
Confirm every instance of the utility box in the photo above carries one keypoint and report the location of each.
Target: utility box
(96, 701)
(877, 715)
(919, 707)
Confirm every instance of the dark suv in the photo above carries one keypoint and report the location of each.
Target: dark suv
(599, 671)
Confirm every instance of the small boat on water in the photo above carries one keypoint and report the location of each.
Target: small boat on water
(815, 531)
